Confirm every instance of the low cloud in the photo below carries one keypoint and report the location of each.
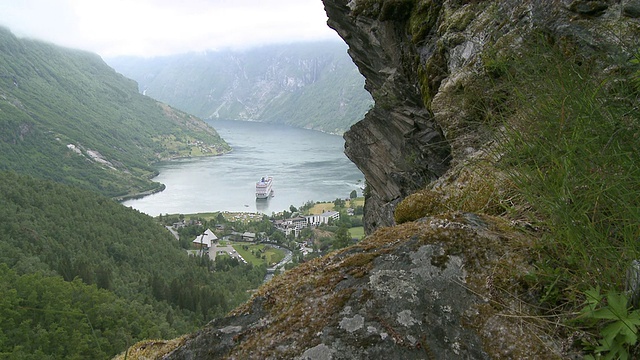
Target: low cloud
(163, 27)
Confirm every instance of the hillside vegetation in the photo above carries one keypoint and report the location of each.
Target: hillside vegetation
(562, 165)
(313, 85)
(66, 116)
(82, 276)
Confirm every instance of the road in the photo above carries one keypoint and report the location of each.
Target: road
(288, 255)
(173, 231)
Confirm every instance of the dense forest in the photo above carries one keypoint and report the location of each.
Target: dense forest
(66, 116)
(82, 276)
(310, 85)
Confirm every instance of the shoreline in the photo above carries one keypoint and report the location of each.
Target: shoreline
(340, 134)
(140, 195)
(190, 157)
(162, 186)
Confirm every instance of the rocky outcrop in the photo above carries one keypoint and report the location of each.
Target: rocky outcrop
(429, 65)
(398, 146)
(431, 289)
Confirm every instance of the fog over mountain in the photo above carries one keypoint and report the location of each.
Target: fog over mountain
(312, 85)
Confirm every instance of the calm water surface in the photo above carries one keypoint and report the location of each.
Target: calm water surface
(305, 164)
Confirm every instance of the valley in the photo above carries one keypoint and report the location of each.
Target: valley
(81, 275)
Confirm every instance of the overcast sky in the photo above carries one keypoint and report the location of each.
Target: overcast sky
(162, 27)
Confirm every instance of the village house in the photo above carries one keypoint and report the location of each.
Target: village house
(249, 236)
(206, 240)
(184, 223)
(234, 236)
(320, 219)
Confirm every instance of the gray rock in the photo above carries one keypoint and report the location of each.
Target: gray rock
(318, 352)
(422, 122)
(391, 297)
(586, 7)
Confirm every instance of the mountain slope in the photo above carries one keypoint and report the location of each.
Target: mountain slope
(66, 116)
(81, 275)
(313, 85)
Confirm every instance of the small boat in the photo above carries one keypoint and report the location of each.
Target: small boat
(264, 187)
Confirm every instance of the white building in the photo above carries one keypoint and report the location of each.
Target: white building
(206, 240)
(319, 219)
(298, 223)
(291, 225)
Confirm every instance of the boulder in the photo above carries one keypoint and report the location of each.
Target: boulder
(435, 288)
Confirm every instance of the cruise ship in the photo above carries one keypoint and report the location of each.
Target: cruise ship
(263, 187)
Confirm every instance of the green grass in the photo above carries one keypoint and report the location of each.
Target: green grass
(572, 150)
(272, 255)
(359, 201)
(205, 216)
(357, 232)
(321, 207)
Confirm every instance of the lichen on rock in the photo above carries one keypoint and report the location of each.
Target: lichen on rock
(423, 294)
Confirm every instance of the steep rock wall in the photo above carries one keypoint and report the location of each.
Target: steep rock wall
(428, 64)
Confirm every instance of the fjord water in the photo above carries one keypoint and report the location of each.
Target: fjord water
(305, 164)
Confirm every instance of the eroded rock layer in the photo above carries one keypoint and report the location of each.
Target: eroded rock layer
(428, 64)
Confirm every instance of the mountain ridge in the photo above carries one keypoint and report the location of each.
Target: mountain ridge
(310, 85)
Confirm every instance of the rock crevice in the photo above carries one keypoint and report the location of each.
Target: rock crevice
(398, 146)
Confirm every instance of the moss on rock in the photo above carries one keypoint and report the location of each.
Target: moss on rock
(478, 188)
(418, 205)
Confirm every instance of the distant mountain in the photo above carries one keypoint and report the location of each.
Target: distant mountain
(310, 85)
(67, 116)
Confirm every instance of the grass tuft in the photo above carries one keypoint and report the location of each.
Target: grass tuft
(572, 151)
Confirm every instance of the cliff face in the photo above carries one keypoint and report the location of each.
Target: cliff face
(421, 59)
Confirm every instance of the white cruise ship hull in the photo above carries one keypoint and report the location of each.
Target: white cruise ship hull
(264, 187)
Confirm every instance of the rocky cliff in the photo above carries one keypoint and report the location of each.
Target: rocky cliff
(448, 280)
(420, 58)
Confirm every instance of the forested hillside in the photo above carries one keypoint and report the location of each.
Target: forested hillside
(66, 116)
(82, 276)
(312, 85)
